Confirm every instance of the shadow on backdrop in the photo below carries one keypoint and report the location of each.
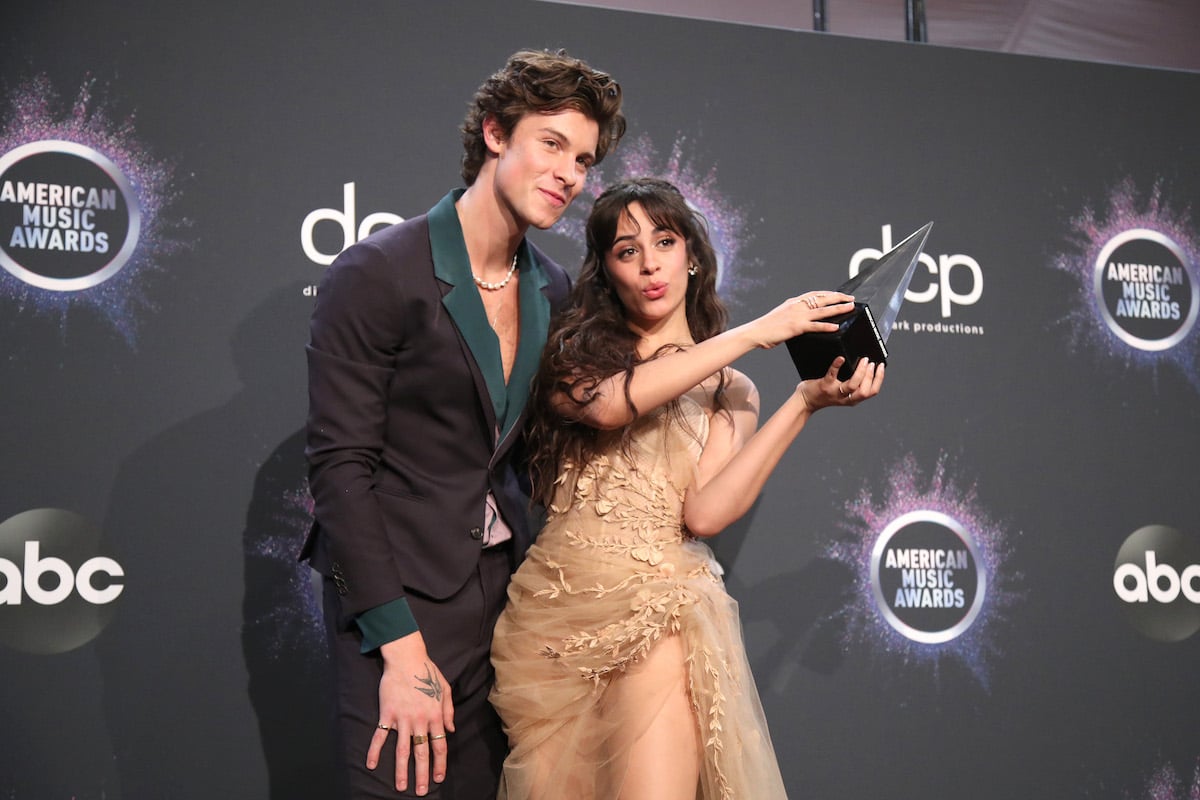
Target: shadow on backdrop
(213, 684)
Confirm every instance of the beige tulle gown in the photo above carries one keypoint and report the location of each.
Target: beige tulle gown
(612, 579)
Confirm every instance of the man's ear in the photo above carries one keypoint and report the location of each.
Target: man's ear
(494, 137)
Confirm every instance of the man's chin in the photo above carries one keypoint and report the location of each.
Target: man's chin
(547, 222)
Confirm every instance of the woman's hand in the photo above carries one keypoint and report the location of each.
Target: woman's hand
(863, 384)
(801, 314)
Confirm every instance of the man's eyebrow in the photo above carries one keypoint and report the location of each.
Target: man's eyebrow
(562, 138)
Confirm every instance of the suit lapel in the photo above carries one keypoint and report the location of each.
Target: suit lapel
(452, 267)
(535, 324)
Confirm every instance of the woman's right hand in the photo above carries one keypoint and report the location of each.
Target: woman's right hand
(799, 315)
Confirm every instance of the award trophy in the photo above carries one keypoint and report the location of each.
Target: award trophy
(878, 292)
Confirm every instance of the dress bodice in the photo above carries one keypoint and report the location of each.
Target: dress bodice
(633, 489)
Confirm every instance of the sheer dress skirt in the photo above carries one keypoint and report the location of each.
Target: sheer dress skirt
(612, 577)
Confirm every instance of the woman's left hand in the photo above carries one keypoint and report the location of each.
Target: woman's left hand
(863, 384)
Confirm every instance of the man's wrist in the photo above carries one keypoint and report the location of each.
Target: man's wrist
(386, 623)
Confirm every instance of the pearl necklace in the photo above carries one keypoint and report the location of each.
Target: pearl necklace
(495, 287)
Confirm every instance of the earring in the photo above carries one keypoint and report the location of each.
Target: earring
(693, 269)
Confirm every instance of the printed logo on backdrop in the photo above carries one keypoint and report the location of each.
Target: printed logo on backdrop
(925, 571)
(943, 290)
(69, 214)
(81, 206)
(930, 573)
(1137, 267)
(1156, 578)
(58, 590)
(1144, 289)
(326, 232)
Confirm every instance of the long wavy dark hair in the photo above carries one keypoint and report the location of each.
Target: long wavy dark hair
(591, 340)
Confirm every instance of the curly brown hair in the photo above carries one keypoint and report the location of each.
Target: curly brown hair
(541, 82)
(591, 340)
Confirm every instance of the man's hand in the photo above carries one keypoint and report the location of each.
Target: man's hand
(414, 701)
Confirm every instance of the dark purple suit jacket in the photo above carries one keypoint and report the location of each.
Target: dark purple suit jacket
(405, 399)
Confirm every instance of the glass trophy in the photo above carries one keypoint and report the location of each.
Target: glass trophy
(878, 291)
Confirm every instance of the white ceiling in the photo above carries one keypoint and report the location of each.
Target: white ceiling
(1155, 33)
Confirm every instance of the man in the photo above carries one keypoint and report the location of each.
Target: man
(424, 339)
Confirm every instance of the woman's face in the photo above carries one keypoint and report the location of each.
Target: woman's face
(648, 269)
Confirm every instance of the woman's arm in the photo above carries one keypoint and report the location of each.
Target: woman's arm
(660, 380)
(737, 460)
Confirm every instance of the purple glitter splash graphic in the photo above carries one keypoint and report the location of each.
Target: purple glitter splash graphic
(865, 625)
(1085, 327)
(727, 227)
(1165, 784)
(35, 114)
(293, 618)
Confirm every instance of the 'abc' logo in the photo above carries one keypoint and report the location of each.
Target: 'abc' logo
(1157, 578)
(56, 592)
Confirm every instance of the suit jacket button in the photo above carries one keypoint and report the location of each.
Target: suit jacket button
(477, 534)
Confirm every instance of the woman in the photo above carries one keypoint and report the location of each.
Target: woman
(620, 668)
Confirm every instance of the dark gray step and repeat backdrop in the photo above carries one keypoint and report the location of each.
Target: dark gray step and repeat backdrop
(985, 583)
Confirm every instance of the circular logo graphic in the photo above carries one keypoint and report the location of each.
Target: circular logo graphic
(927, 578)
(1157, 579)
(56, 593)
(69, 219)
(1146, 290)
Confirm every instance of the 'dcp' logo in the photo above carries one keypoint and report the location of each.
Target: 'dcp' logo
(1157, 579)
(927, 577)
(1146, 290)
(56, 592)
(69, 218)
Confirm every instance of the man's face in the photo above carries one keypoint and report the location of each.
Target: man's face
(541, 167)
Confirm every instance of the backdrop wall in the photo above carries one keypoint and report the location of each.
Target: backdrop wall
(1038, 428)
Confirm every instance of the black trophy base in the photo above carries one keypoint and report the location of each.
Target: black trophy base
(856, 338)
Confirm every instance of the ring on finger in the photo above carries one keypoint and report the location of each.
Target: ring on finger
(437, 736)
(383, 727)
(419, 738)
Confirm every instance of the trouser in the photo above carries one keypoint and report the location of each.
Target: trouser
(458, 635)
